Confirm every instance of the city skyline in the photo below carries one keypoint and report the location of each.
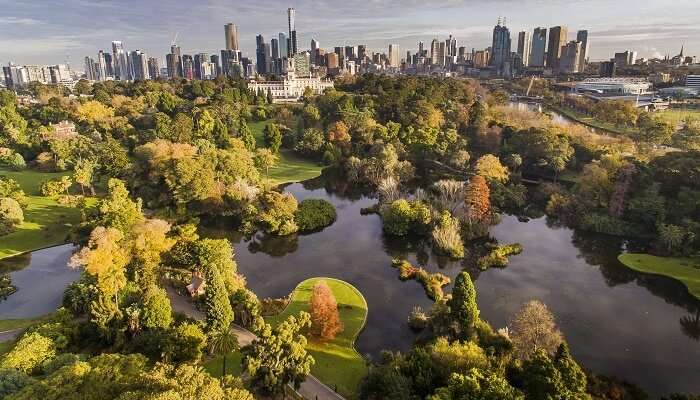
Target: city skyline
(655, 32)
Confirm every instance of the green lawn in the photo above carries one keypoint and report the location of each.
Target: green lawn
(46, 223)
(676, 116)
(10, 324)
(338, 364)
(290, 167)
(233, 364)
(686, 270)
(591, 121)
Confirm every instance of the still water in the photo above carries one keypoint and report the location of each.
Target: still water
(637, 327)
(40, 278)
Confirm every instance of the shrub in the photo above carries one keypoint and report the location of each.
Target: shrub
(432, 283)
(314, 214)
(29, 353)
(325, 319)
(11, 215)
(447, 238)
(418, 319)
(403, 216)
(56, 187)
(498, 256)
(12, 381)
(12, 160)
(10, 188)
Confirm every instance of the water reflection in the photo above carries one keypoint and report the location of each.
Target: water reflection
(40, 279)
(635, 326)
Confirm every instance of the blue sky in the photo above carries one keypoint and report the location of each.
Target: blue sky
(52, 31)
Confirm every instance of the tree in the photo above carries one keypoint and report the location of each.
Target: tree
(11, 215)
(117, 210)
(573, 377)
(339, 134)
(480, 384)
(477, 203)
(447, 237)
(277, 212)
(490, 167)
(223, 342)
(264, 159)
(219, 314)
(463, 308)
(403, 216)
(246, 135)
(11, 381)
(273, 137)
(56, 187)
(325, 319)
(83, 175)
(29, 353)
(278, 357)
(149, 242)
(105, 259)
(557, 378)
(156, 312)
(533, 328)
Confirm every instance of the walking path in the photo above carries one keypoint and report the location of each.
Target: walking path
(6, 336)
(311, 388)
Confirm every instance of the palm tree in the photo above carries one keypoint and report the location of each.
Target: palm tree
(223, 342)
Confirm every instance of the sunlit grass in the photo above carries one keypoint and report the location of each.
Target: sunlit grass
(686, 270)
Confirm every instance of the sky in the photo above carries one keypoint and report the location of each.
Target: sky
(56, 31)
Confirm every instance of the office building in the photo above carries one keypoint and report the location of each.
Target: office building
(262, 55)
(350, 53)
(174, 63)
(275, 48)
(101, 66)
(90, 71)
(215, 64)
(332, 61)
(539, 48)
(187, 67)
(626, 58)
(361, 51)
(231, 33)
(608, 69)
(284, 49)
(500, 48)
(229, 59)
(557, 40)
(524, 48)
(153, 68)
(315, 47)
(138, 65)
(109, 65)
(582, 36)
(394, 57)
(570, 58)
(119, 61)
(435, 53)
(202, 69)
(482, 58)
(291, 17)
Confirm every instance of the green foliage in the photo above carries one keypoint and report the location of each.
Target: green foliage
(273, 137)
(498, 256)
(278, 357)
(11, 381)
(219, 314)
(463, 308)
(29, 353)
(403, 216)
(12, 160)
(477, 384)
(56, 187)
(446, 236)
(11, 215)
(156, 312)
(117, 210)
(10, 188)
(558, 378)
(432, 283)
(188, 342)
(276, 213)
(314, 214)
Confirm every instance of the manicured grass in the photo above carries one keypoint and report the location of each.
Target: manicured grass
(11, 324)
(233, 364)
(290, 167)
(677, 116)
(338, 364)
(686, 270)
(46, 223)
(591, 121)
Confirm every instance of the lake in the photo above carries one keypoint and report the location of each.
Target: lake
(618, 322)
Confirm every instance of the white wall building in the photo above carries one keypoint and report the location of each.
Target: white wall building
(291, 88)
(614, 86)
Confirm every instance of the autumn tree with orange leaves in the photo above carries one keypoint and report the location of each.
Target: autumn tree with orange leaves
(325, 320)
(477, 203)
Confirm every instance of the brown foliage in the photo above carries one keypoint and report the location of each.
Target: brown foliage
(325, 320)
(477, 200)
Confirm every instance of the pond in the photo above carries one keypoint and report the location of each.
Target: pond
(618, 322)
(40, 278)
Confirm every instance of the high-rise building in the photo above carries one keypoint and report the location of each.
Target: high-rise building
(101, 66)
(90, 71)
(500, 48)
(216, 65)
(361, 51)
(153, 68)
(302, 66)
(608, 69)
(291, 17)
(109, 65)
(570, 57)
(626, 58)
(274, 48)
(350, 53)
(582, 36)
(482, 58)
(229, 59)
(539, 48)
(262, 55)
(138, 65)
(284, 48)
(435, 52)
(231, 32)
(315, 46)
(119, 61)
(451, 47)
(557, 40)
(394, 57)
(524, 48)
(187, 67)
(201, 64)
(174, 63)
(332, 61)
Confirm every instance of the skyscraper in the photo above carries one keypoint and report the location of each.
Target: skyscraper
(570, 57)
(557, 40)
(500, 48)
(153, 68)
(582, 36)
(394, 57)
(262, 55)
(101, 66)
(361, 51)
(138, 65)
(90, 72)
(539, 47)
(284, 49)
(291, 17)
(174, 62)
(121, 69)
(231, 32)
(274, 48)
(524, 48)
(315, 46)
(187, 67)
(435, 52)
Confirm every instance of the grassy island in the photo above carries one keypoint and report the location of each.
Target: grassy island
(686, 270)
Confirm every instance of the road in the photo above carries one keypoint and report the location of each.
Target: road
(311, 388)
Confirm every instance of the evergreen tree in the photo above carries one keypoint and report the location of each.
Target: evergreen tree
(245, 134)
(218, 308)
(463, 308)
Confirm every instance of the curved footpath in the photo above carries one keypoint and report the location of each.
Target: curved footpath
(311, 388)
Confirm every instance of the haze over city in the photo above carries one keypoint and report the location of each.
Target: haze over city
(73, 28)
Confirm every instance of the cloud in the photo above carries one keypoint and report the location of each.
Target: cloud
(19, 21)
